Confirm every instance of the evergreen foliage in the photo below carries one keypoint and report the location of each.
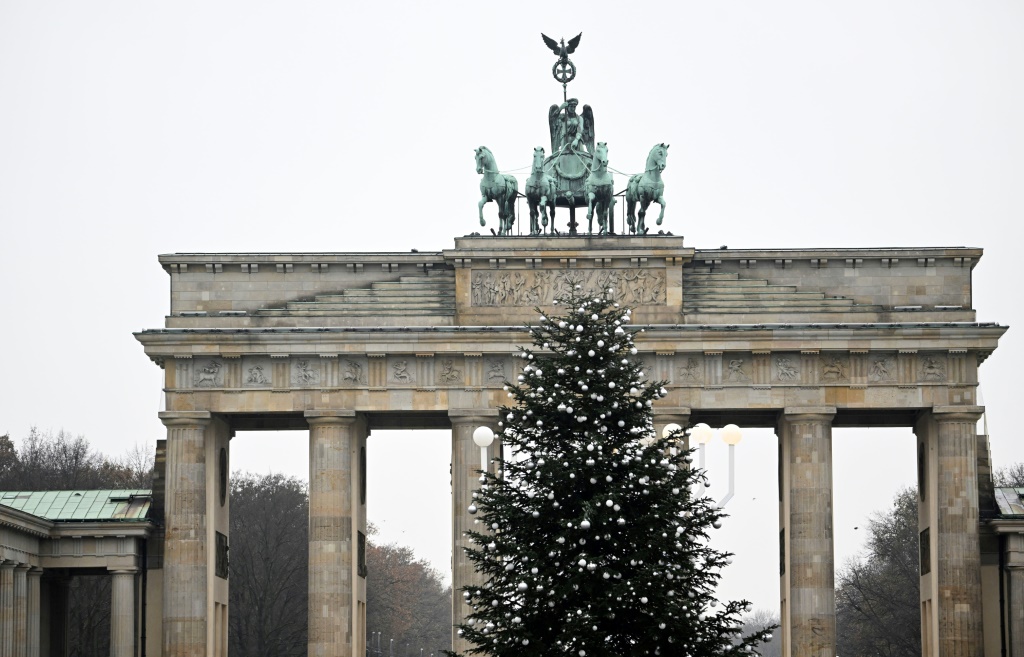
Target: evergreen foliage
(591, 542)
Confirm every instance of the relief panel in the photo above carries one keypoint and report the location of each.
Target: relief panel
(786, 368)
(352, 372)
(256, 372)
(539, 287)
(306, 372)
(450, 371)
(401, 370)
(690, 369)
(208, 373)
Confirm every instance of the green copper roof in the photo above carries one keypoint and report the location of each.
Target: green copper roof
(81, 505)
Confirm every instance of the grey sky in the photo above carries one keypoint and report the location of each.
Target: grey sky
(132, 129)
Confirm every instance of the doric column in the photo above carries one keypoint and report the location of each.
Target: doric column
(185, 544)
(122, 613)
(465, 480)
(34, 576)
(957, 558)
(807, 587)
(21, 610)
(7, 608)
(334, 630)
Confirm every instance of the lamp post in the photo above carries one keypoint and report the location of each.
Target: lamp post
(483, 437)
(731, 434)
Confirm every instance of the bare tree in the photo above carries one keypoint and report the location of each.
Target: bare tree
(269, 566)
(1012, 476)
(406, 601)
(761, 619)
(878, 594)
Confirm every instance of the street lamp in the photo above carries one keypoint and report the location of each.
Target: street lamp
(483, 437)
(667, 432)
(731, 434)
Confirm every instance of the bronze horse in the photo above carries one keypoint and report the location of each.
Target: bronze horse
(599, 191)
(541, 189)
(496, 187)
(647, 188)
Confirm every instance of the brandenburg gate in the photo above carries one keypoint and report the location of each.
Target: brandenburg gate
(341, 344)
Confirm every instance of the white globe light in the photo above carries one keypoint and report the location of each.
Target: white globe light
(731, 434)
(483, 436)
(701, 433)
(670, 429)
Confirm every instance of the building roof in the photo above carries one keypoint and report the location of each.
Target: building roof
(81, 505)
(1010, 502)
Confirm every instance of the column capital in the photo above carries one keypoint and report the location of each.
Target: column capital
(185, 418)
(808, 412)
(957, 413)
(123, 571)
(339, 417)
(478, 416)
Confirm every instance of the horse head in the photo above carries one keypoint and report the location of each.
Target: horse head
(484, 160)
(601, 156)
(538, 159)
(657, 157)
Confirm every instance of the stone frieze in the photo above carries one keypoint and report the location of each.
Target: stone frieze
(539, 287)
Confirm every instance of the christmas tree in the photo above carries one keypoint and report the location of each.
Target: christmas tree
(590, 541)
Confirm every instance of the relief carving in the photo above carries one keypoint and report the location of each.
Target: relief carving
(353, 373)
(400, 372)
(449, 373)
(306, 374)
(496, 370)
(785, 370)
(691, 371)
(933, 369)
(541, 287)
(736, 371)
(882, 369)
(256, 376)
(206, 376)
(833, 369)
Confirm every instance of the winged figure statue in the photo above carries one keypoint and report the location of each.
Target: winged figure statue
(571, 131)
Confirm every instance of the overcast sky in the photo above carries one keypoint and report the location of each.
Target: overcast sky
(130, 129)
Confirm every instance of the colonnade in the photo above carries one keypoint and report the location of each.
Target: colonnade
(950, 590)
(24, 604)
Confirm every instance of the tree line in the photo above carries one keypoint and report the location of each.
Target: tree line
(407, 601)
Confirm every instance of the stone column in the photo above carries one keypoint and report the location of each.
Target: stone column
(21, 610)
(122, 613)
(185, 546)
(957, 559)
(331, 546)
(465, 480)
(34, 576)
(808, 587)
(7, 608)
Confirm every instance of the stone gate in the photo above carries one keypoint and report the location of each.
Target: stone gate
(344, 343)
